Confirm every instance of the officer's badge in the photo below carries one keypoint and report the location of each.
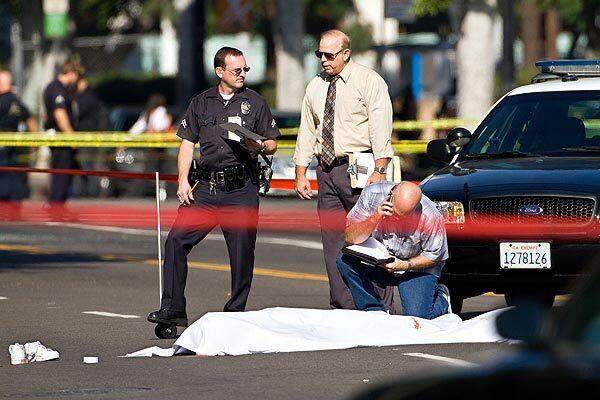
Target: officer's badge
(245, 108)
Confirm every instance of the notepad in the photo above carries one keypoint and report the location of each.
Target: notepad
(370, 251)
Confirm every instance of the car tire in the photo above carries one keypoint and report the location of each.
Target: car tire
(515, 298)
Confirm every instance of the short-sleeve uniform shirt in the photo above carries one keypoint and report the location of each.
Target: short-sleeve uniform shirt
(56, 96)
(208, 110)
(12, 112)
(424, 235)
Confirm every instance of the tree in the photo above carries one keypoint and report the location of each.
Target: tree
(289, 54)
(474, 54)
(580, 18)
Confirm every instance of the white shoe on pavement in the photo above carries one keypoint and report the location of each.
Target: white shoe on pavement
(446, 295)
(17, 354)
(36, 351)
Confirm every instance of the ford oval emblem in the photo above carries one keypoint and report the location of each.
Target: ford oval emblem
(530, 209)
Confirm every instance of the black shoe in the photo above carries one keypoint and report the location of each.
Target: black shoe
(165, 316)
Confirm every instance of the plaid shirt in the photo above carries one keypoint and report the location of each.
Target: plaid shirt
(425, 235)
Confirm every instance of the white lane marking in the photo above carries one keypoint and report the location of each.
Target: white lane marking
(108, 314)
(306, 244)
(3, 298)
(453, 361)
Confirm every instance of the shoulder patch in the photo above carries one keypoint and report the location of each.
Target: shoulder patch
(59, 99)
(14, 109)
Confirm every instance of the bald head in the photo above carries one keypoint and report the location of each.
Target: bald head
(5, 81)
(406, 198)
(336, 37)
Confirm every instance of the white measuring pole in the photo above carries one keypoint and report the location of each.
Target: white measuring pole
(160, 283)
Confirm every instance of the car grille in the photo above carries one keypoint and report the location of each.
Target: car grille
(554, 210)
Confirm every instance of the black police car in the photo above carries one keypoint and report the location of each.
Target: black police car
(520, 194)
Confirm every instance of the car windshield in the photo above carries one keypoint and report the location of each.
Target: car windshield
(540, 124)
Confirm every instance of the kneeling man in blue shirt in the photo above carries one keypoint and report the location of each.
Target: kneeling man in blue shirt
(412, 229)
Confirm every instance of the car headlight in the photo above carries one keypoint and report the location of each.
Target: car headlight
(453, 211)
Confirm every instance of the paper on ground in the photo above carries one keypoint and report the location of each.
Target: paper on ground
(280, 329)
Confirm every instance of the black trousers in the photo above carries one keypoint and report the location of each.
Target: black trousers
(60, 185)
(236, 212)
(336, 198)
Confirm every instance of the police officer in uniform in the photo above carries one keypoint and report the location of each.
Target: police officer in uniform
(226, 193)
(12, 114)
(59, 116)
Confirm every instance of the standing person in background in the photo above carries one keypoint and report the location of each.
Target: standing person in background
(58, 97)
(90, 115)
(12, 114)
(154, 119)
(346, 109)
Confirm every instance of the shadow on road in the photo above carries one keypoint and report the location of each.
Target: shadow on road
(11, 260)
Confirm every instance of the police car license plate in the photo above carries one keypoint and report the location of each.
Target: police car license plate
(525, 255)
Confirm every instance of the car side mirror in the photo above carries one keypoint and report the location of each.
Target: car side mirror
(524, 322)
(438, 150)
(458, 137)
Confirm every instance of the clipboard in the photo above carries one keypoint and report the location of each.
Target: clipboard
(371, 251)
(241, 131)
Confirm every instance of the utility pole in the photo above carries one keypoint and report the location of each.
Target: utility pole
(191, 75)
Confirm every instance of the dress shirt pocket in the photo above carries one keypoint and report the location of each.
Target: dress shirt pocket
(407, 247)
(205, 120)
(249, 123)
(354, 108)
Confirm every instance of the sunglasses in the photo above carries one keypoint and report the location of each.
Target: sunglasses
(328, 56)
(238, 71)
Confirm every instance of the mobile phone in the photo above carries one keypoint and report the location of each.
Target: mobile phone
(389, 196)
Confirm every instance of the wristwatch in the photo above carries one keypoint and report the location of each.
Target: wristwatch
(380, 170)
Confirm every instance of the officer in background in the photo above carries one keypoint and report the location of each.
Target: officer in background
(58, 97)
(90, 115)
(13, 114)
(226, 193)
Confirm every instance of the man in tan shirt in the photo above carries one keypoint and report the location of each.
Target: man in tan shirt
(346, 109)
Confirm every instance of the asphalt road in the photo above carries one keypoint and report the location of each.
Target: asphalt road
(52, 274)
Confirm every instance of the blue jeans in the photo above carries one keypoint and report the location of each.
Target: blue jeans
(419, 291)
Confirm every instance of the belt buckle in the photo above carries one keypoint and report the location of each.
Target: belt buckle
(220, 177)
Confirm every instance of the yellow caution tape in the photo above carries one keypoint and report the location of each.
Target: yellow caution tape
(170, 140)
(446, 123)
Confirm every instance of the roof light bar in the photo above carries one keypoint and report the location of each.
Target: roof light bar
(569, 67)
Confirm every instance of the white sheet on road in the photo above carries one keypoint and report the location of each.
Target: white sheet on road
(280, 329)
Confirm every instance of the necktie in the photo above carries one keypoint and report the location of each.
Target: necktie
(328, 153)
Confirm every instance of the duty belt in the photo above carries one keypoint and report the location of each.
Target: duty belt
(232, 177)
